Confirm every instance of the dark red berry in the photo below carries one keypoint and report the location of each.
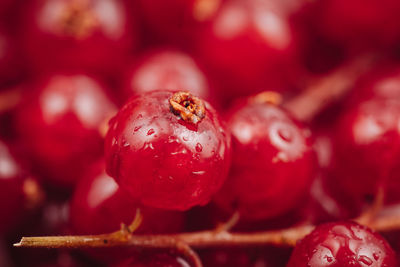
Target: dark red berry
(167, 70)
(60, 121)
(249, 46)
(342, 244)
(272, 157)
(367, 150)
(106, 206)
(81, 34)
(169, 150)
(154, 260)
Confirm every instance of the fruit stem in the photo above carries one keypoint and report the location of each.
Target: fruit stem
(322, 92)
(188, 107)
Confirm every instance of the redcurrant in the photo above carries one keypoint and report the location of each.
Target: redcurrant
(60, 123)
(272, 157)
(342, 244)
(168, 149)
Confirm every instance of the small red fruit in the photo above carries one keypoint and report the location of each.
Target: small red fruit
(169, 150)
(272, 157)
(344, 244)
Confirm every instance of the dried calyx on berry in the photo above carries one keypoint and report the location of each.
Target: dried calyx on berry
(188, 107)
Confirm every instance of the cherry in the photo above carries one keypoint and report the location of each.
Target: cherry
(170, 70)
(157, 260)
(60, 122)
(342, 244)
(80, 34)
(106, 206)
(18, 192)
(169, 150)
(272, 157)
(249, 46)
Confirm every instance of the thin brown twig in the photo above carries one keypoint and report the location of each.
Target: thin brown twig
(320, 93)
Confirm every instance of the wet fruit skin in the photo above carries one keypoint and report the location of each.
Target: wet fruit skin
(59, 121)
(106, 206)
(272, 157)
(342, 244)
(163, 160)
(94, 35)
(249, 46)
(167, 69)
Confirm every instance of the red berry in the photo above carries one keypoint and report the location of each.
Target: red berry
(82, 34)
(157, 260)
(367, 150)
(249, 46)
(342, 244)
(106, 206)
(169, 150)
(272, 157)
(167, 70)
(60, 122)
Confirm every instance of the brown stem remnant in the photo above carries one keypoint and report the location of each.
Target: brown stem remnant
(188, 107)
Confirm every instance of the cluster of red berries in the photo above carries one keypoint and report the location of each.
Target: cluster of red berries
(177, 108)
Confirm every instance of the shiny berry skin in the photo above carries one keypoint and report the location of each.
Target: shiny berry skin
(163, 158)
(342, 244)
(167, 69)
(106, 206)
(86, 35)
(249, 46)
(60, 122)
(367, 149)
(151, 260)
(272, 157)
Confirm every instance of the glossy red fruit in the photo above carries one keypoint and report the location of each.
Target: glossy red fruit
(367, 150)
(360, 24)
(167, 69)
(157, 260)
(342, 244)
(272, 157)
(80, 34)
(106, 206)
(249, 46)
(169, 150)
(17, 190)
(60, 121)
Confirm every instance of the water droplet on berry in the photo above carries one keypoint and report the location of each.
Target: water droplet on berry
(199, 147)
(364, 259)
(285, 134)
(150, 132)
